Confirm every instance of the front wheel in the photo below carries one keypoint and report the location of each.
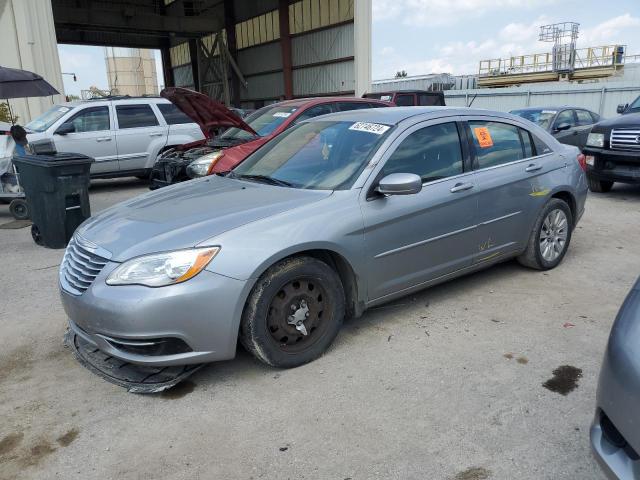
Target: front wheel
(19, 208)
(550, 237)
(599, 186)
(293, 313)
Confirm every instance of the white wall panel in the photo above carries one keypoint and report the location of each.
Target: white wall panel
(331, 78)
(323, 45)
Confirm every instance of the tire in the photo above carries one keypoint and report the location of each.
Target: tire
(599, 186)
(19, 209)
(36, 235)
(270, 327)
(537, 255)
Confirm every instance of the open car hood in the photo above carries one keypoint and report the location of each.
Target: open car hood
(209, 114)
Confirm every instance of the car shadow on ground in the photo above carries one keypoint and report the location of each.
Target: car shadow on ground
(372, 323)
(122, 184)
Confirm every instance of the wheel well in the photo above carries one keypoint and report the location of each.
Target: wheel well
(354, 307)
(569, 200)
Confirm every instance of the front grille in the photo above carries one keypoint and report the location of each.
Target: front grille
(628, 139)
(79, 268)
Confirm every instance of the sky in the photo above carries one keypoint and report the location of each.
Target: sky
(436, 36)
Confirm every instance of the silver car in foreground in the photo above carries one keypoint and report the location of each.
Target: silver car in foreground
(615, 436)
(334, 216)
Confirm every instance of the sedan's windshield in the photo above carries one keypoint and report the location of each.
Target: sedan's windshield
(541, 117)
(263, 121)
(48, 118)
(322, 155)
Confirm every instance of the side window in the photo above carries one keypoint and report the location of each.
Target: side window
(405, 100)
(595, 116)
(321, 109)
(172, 114)
(93, 119)
(526, 143)
(431, 152)
(565, 117)
(344, 106)
(498, 143)
(426, 100)
(134, 116)
(584, 118)
(541, 147)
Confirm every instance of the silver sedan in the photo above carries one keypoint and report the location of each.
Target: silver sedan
(334, 216)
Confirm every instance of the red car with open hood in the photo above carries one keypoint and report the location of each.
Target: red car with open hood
(242, 137)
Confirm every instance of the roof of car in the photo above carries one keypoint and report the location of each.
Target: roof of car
(298, 102)
(395, 115)
(555, 107)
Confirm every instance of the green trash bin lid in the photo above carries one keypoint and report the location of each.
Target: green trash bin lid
(55, 160)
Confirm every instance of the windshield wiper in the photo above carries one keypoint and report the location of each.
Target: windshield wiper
(264, 179)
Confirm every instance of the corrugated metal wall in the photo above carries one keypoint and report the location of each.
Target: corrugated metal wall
(334, 78)
(323, 45)
(602, 98)
(442, 81)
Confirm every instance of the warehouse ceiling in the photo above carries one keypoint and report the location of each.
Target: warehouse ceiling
(135, 23)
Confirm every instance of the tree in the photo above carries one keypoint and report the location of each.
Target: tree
(401, 74)
(5, 116)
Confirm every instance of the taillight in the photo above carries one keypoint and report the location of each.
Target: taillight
(582, 160)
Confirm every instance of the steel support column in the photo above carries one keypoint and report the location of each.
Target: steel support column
(195, 65)
(230, 28)
(167, 71)
(285, 47)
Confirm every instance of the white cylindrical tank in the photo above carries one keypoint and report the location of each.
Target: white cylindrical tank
(131, 71)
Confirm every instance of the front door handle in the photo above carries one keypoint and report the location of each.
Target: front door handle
(461, 187)
(103, 139)
(156, 134)
(533, 167)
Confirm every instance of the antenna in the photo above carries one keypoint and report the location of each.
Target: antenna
(564, 36)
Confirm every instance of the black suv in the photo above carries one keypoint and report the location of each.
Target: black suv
(613, 149)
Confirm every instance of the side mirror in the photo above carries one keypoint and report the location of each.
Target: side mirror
(65, 128)
(622, 107)
(399, 184)
(562, 126)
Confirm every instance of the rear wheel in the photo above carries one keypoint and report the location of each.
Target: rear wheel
(599, 186)
(293, 313)
(550, 237)
(19, 209)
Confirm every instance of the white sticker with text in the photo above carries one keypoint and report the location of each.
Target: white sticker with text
(376, 128)
(281, 114)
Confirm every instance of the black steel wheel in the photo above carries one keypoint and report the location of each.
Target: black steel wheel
(293, 313)
(36, 235)
(19, 209)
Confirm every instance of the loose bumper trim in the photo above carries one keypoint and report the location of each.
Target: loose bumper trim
(135, 378)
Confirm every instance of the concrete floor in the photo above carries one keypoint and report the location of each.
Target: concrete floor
(445, 384)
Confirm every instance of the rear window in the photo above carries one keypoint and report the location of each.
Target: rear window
(172, 114)
(405, 100)
(134, 116)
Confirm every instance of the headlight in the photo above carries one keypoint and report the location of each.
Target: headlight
(201, 166)
(162, 269)
(595, 140)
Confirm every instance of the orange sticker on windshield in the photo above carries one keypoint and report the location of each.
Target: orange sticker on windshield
(483, 136)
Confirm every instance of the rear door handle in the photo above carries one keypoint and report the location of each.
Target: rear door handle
(461, 187)
(533, 167)
(103, 139)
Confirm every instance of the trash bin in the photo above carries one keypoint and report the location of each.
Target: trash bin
(57, 191)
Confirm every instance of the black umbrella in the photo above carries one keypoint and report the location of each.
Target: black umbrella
(16, 83)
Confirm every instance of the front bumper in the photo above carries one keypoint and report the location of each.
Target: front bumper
(189, 323)
(614, 165)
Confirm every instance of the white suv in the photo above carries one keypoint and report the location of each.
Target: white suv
(124, 135)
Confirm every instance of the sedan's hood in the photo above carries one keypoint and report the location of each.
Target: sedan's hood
(206, 112)
(183, 215)
(629, 120)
